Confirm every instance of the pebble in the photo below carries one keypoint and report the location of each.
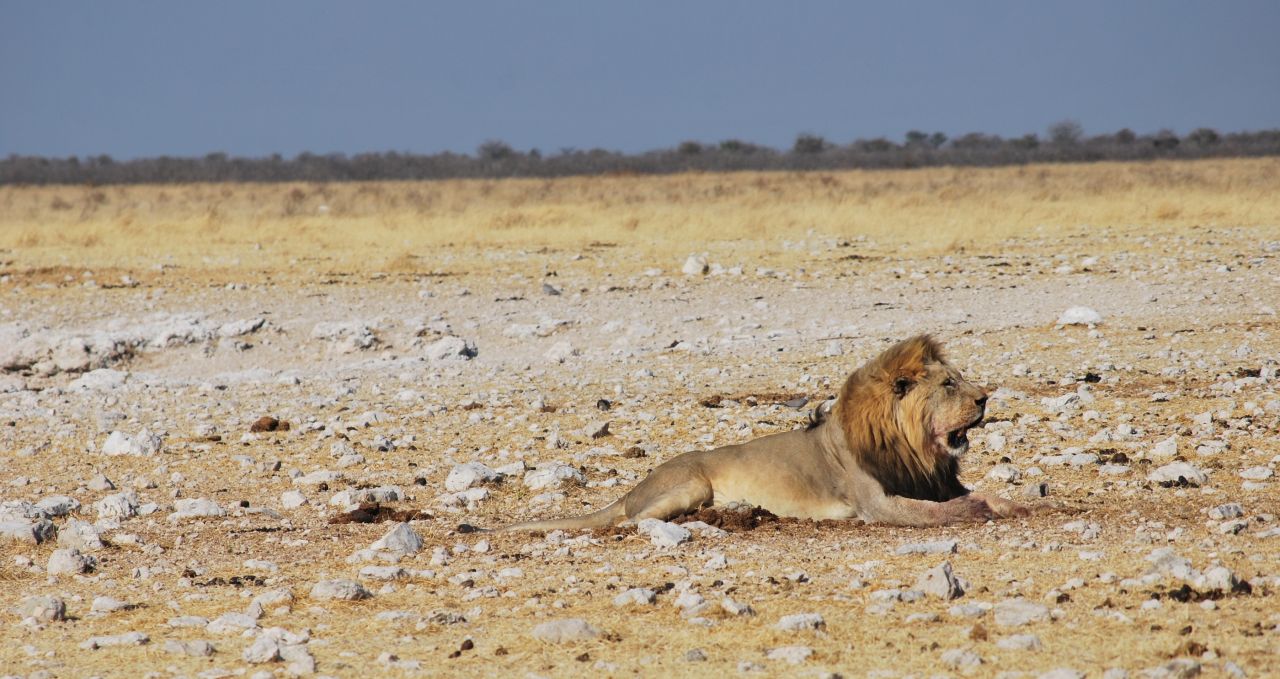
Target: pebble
(450, 349)
(468, 474)
(552, 476)
(564, 630)
(1176, 472)
(1080, 315)
(106, 604)
(126, 639)
(1005, 473)
(792, 655)
(69, 562)
(695, 265)
(1020, 642)
(636, 596)
(932, 547)
(1227, 511)
(800, 622)
(940, 582)
(344, 590)
(43, 609)
(1256, 473)
(143, 444)
(400, 540)
(961, 659)
(198, 508)
(1018, 612)
(663, 533)
(197, 648)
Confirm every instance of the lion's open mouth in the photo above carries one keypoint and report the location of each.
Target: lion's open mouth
(957, 440)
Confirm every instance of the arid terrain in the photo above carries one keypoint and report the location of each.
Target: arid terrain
(240, 426)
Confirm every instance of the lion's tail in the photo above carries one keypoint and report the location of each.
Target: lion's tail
(605, 517)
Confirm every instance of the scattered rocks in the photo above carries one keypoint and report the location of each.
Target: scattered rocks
(1179, 473)
(42, 609)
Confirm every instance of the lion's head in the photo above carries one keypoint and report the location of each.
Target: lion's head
(906, 416)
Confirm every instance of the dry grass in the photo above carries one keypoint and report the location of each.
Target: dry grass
(393, 225)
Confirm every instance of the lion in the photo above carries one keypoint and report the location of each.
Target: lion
(887, 452)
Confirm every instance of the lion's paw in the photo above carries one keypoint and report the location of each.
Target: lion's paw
(969, 508)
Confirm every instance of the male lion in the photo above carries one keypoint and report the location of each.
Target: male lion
(889, 452)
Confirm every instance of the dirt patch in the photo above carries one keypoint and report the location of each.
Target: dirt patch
(732, 520)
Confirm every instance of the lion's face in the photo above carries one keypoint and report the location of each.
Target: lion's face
(946, 406)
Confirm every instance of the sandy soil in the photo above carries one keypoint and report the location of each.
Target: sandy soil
(1186, 350)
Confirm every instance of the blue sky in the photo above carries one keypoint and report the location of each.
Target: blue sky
(134, 79)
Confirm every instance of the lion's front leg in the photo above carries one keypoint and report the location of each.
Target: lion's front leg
(1005, 509)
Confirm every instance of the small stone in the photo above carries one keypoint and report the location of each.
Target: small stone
(961, 659)
(344, 590)
(636, 596)
(399, 540)
(80, 535)
(468, 474)
(695, 655)
(663, 533)
(384, 573)
(126, 639)
(450, 348)
(552, 476)
(43, 609)
(292, 499)
(736, 609)
(1177, 473)
(565, 630)
(106, 604)
(941, 582)
(198, 648)
(1228, 511)
(1020, 642)
(1256, 473)
(198, 508)
(931, 547)
(800, 622)
(792, 655)
(1179, 668)
(1005, 473)
(1166, 449)
(1018, 612)
(69, 562)
(695, 265)
(1080, 315)
(100, 482)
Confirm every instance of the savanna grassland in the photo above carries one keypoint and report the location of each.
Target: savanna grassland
(404, 330)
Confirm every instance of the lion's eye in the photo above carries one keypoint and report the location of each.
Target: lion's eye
(948, 383)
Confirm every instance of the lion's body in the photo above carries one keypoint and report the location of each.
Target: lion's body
(884, 456)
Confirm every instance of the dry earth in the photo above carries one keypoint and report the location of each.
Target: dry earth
(199, 543)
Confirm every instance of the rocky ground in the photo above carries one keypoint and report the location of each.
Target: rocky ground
(217, 472)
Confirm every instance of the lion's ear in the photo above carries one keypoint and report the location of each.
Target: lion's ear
(902, 385)
(910, 356)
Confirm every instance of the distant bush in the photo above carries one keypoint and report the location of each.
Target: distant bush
(495, 159)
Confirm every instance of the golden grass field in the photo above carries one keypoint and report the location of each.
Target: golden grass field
(1180, 257)
(386, 225)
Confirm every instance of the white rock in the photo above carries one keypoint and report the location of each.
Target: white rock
(106, 604)
(197, 648)
(384, 573)
(552, 476)
(560, 352)
(119, 506)
(931, 547)
(961, 659)
(1020, 642)
(941, 582)
(69, 562)
(1165, 449)
(292, 499)
(43, 609)
(1174, 472)
(232, 622)
(564, 630)
(196, 508)
(401, 540)
(241, 327)
(663, 533)
(1230, 510)
(1005, 473)
(1218, 577)
(1167, 562)
(345, 590)
(126, 639)
(58, 505)
(142, 444)
(1080, 315)
(800, 622)
(736, 609)
(31, 532)
(792, 655)
(636, 596)
(996, 441)
(103, 379)
(1018, 612)
(1256, 473)
(695, 265)
(450, 348)
(468, 474)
